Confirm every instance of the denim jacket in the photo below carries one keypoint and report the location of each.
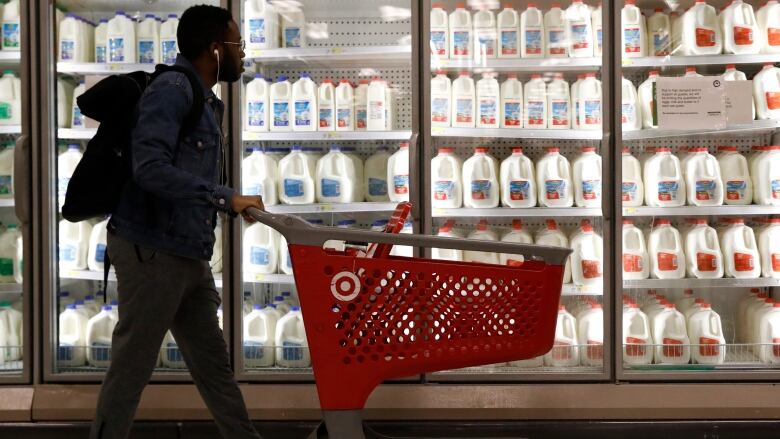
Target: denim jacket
(171, 203)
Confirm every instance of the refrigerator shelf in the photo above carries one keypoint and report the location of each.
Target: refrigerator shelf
(332, 208)
(518, 64)
(10, 289)
(738, 356)
(511, 133)
(508, 212)
(74, 68)
(701, 211)
(11, 129)
(98, 276)
(270, 279)
(79, 134)
(326, 135)
(701, 283)
(704, 60)
(11, 367)
(6, 202)
(10, 57)
(333, 56)
(757, 127)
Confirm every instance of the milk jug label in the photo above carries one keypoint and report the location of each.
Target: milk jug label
(709, 347)
(259, 256)
(376, 110)
(557, 37)
(100, 253)
(78, 121)
(303, 113)
(443, 190)
(65, 352)
(555, 189)
(401, 184)
(116, 49)
(146, 51)
(5, 111)
(743, 36)
(256, 113)
(595, 350)
(513, 112)
(439, 109)
(509, 42)
(253, 188)
(463, 110)
(292, 37)
(599, 39)
(487, 42)
(62, 186)
(632, 37)
(672, 348)
(169, 51)
(344, 117)
(743, 262)
(705, 190)
(439, 42)
(519, 190)
(736, 189)
(533, 42)
(561, 351)
(772, 100)
(326, 114)
(487, 111)
(535, 113)
(591, 189)
(592, 112)
(292, 351)
(579, 36)
(775, 185)
(661, 43)
(331, 188)
(11, 35)
(253, 350)
(293, 187)
(257, 30)
(6, 267)
(67, 50)
(480, 189)
(281, 114)
(628, 113)
(67, 253)
(6, 185)
(629, 189)
(775, 261)
(773, 36)
(377, 187)
(706, 262)
(360, 117)
(172, 353)
(560, 112)
(100, 54)
(460, 42)
(667, 190)
(667, 261)
(705, 37)
(632, 263)
(635, 347)
(591, 269)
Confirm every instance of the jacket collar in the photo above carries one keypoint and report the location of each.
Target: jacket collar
(184, 62)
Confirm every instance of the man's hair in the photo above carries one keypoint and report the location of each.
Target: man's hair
(199, 27)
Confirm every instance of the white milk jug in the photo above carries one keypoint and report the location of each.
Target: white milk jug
(740, 251)
(485, 38)
(769, 336)
(71, 351)
(556, 39)
(589, 98)
(327, 106)
(766, 178)
(77, 119)
(551, 235)
(518, 180)
(71, 44)
(741, 34)
(703, 179)
(259, 338)
(121, 39)
(10, 99)
(461, 33)
(361, 105)
(740, 314)
(636, 263)
(769, 249)
(66, 165)
(101, 41)
(261, 25)
(768, 18)
(480, 180)
(96, 255)
(304, 101)
(664, 182)
(257, 104)
(558, 104)
(12, 38)
(732, 74)
(336, 177)
(678, 46)
(636, 336)
(446, 183)
(701, 31)
(10, 333)
(259, 174)
(169, 44)
(216, 257)
(575, 101)
(553, 178)
(531, 32)
(170, 354)
(441, 94)
(705, 331)
(631, 118)
(261, 244)
(565, 352)
(633, 189)
(463, 101)
(516, 235)
(535, 103)
(73, 244)
(590, 331)
(598, 30)
(280, 96)
(646, 103)
(99, 331)
(587, 261)
(375, 175)
(398, 174)
(509, 33)
(296, 178)
(440, 29)
(488, 97)
(766, 92)
(511, 102)
(587, 178)
(659, 34)
(292, 349)
(702, 250)
(11, 255)
(345, 106)
(285, 260)
(667, 257)
(634, 32)
(688, 302)
(579, 29)
(755, 310)
(445, 254)
(377, 105)
(293, 27)
(148, 51)
(484, 233)
(670, 336)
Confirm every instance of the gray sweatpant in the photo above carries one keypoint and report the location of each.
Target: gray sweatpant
(158, 292)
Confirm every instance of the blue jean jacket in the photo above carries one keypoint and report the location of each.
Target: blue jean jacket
(178, 179)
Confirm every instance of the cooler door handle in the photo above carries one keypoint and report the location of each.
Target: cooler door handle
(22, 180)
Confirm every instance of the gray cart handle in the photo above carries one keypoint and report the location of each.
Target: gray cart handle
(298, 231)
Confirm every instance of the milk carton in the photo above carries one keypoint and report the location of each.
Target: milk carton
(551, 235)
(261, 25)
(121, 39)
(703, 179)
(667, 257)
(304, 101)
(280, 95)
(769, 336)
(636, 263)
(579, 30)
(766, 92)
(670, 337)
(398, 174)
(482, 232)
(327, 104)
(292, 349)
(463, 101)
(587, 178)
(664, 182)
(70, 39)
(375, 175)
(646, 101)
(556, 39)
(12, 38)
(73, 245)
(361, 105)
(659, 34)
(590, 332)
(480, 180)
(769, 249)
(589, 98)
(631, 118)
(740, 251)
(293, 27)
(336, 177)
(702, 249)
(558, 104)
(461, 33)
(587, 260)
(553, 178)
(257, 104)
(706, 333)
(169, 44)
(531, 31)
(637, 336)
(488, 96)
(10, 99)
(259, 174)
(766, 178)
(732, 74)
(565, 352)
(77, 119)
(632, 188)
(446, 183)
(148, 51)
(701, 31)
(96, 254)
(634, 32)
(445, 254)
(518, 182)
(296, 178)
(741, 34)
(441, 95)
(345, 106)
(768, 18)
(516, 235)
(535, 103)
(378, 105)
(259, 335)
(261, 245)
(439, 37)
(11, 254)
(511, 102)
(598, 30)
(485, 38)
(99, 331)
(72, 338)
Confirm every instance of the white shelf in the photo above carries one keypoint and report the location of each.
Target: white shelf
(10, 129)
(510, 133)
(10, 56)
(7, 202)
(580, 290)
(326, 135)
(518, 64)
(704, 60)
(757, 126)
(80, 134)
(506, 212)
(98, 276)
(10, 288)
(701, 211)
(101, 69)
(333, 55)
(270, 279)
(332, 208)
(702, 283)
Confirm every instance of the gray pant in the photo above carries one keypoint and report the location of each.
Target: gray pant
(158, 292)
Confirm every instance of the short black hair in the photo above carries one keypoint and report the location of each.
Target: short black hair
(200, 26)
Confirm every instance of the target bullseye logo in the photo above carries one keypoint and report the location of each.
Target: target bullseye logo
(345, 286)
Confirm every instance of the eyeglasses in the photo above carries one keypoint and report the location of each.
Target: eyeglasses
(241, 44)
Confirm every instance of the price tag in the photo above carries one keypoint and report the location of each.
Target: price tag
(255, 53)
(259, 277)
(325, 208)
(337, 50)
(438, 212)
(332, 135)
(437, 131)
(629, 210)
(627, 61)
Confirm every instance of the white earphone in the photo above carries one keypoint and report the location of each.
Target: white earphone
(216, 53)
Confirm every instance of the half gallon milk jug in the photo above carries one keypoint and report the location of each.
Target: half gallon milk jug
(446, 183)
(461, 33)
(701, 31)
(480, 180)
(257, 106)
(646, 101)
(769, 335)
(12, 38)
(99, 331)
(96, 255)
(485, 38)
(769, 248)
(169, 44)
(484, 233)
(377, 105)
(671, 337)
(590, 330)
(327, 106)
(77, 119)
(261, 245)
(518, 182)
(11, 322)
(101, 41)
(446, 254)
(579, 30)
(636, 336)
(259, 174)
(463, 101)
(575, 101)
(292, 349)
(336, 177)
(259, 334)
(440, 30)
(293, 27)
(71, 351)
(741, 34)
(678, 48)
(598, 30)
(66, 165)
(732, 74)
(296, 178)
(636, 263)
(516, 235)
(740, 314)
(535, 103)
(768, 18)
(488, 96)
(667, 258)
(551, 235)
(361, 105)
(345, 106)
(631, 118)
(531, 31)
(659, 34)
(261, 25)
(280, 96)
(558, 104)
(740, 251)
(441, 93)
(170, 354)
(398, 174)
(511, 102)
(71, 44)
(73, 245)
(705, 331)
(148, 40)
(766, 92)
(553, 178)
(703, 179)
(587, 178)
(509, 33)
(633, 190)
(10, 99)
(702, 250)
(556, 41)
(11, 255)
(766, 178)
(121, 39)
(587, 260)
(304, 98)
(634, 31)
(375, 175)
(589, 97)
(664, 182)
(564, 352)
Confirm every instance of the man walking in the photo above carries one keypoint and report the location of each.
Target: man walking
(161, 237)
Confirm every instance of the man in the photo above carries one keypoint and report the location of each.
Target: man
(162, 235)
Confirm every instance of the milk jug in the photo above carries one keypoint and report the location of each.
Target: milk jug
(480, 180)
(66, 165)
(260, 249)
(646, 101)
(636, 264)
(327, 104)
(11, 254)
(740, 251)
(7, 171)
(259, 334)
(701, 31)
(535, 103)
(296, 178)
(73, 245)
(659, 34)
(259, 174)
(766, 92)
(670, 337)
(345, 106)
(579, 29)
(257, 108)
(634, 31)
(587, 261)
(511, 102)
(558, 104)
(170, 354)
(590, 331)
(589, 98)
(216, 257)
(149, 40)
(463, 101)
(71, 44)
(703, 179)
(678, 48)
(441, 93)
(667, 258)
(101, 41)
(769, 248)
(518, 182)
(96, 255)
(769, 336)
(488, 96)
(99, 331)
(598, 30)
(361, 105)
(551, 235)
(375, 175)
(10, 99)
(741, 313)
(631, 118)
(636, 336)
(292, 349)
(64, 103)
(293, 28)
(531, 32)
(702, 249)
(741, 34)
(336, 177)
(377, 106)
(485, 38)
(169, 44)
(121, 39)
(304, 98)
(439, 38)
(556, 40)
(732, 74)
(12, 39)
(285, 261)
(261, 25)
(446, 254)
(10, 333)
(461, 33)
(71, 351)
(281, 98)
(446, 183)
(398, 174)
(706, 333)
(664, 183)
(766, 178)
(77, 119)
(509, 33)
(587, 178)
(768, 18)
(575, 101)
(565, 352)
(484, 233)
(516, 235)
(755, 311)
(553, 178)
(632, 189)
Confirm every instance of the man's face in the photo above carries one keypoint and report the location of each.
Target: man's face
(232, 66)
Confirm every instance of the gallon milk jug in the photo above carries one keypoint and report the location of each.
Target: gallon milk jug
(701, 31)
(565, 352)
(741, 34)
(587, 178)
(292, 349)
(359, 192)
(598, 30)
(441, 93)
(678, 48)
(261, 25)
(446, 183)
(587, 261)
(480, 180)
(149, 40)
(511, 102)
(741, 313)
(281, 97)
(259, 174)
(740, 251)
(10, 99)
(296, 178)
(553, 178)
(375, 175)
(361, 105)
(579, 30)
(398, 174)
(485, 38)
(769, 336)
(12, 37)
(293, 28)
(285, 261)
(261, 245)
(482, 232)
(463, 101)
(551, 235)
(535, 103)
(96, 255)
(440, 30)
(634, 31)
(345, 106)
(768, 18)
(670, 336)
(769, 248)
(259, 334)
(516, 235)
(636, 336)
(11, 254)
(732, 74)
(556, 40)
(633, 190)
(70, 41)
(446, 254)
(575, 101)
(590, 331)
(304, 98)
(766, 92)
(121, 39)
(518, 182)
(71, 351)
(461, 33)
(327, 103)
(11, 324)
(488, 96)
(646, 101)
(377, 105)
(101, 41)
(659, 34)
(766, 178)
(705, 331)
(636, 263)
(758, 307)
(589, 98)
(702, 250)
(558, 104)
(170, 354)
(664, 183)
(531, 31)
(99, 331)
(77, 119)
(336, 177)
(509, 33)
(169, 44)
(257, 104)
(73, 245)
(667, 258)
(216, 257)
(631, 118)
(703, 179)
(66, 165)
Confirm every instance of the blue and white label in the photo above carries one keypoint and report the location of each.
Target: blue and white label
(11, 38)
(377, 187)
(116, 49)
(460, 43)
(100, 253)
(628, 113)
(519, 190)
(661, 43)
(67, 50)
(440, 110)
(100, 351)
(67, 253)
(257, 31)
(591, 189)
(438, 42)
(303, 114)
(555, 189)
(488, 111)
(560, 112)
(579, 36)
(330, 188)
(487, 42)
(326, 117)
(736, 190)
(513, 113)
(281, 114)
(259, 256)
(292, 37)
(599, 39)
(253, 350)
(629, 191)
(173, 353)
(253, 188)
(65, 352)
(535, 113)
(361, 117)
(78, 119)
(293, 187)
(401, 184)
(62, 186)
(632, 40)
(481, 189)
(169, 51)
(6, 185)
(256, 113)
(443, 190)
(557, 36)
(292, 351)
(705, 190)
(146, 51)
(100, 54)
(344, 118)
(509, 42)
(464, 109)
(592, 112)
(533, 42)
(668, 191)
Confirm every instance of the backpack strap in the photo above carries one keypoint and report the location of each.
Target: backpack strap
(198, 99)
(106, 269)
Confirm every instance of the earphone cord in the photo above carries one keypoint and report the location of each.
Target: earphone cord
(216, 52)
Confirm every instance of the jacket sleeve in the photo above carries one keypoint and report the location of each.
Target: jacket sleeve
(155, 137)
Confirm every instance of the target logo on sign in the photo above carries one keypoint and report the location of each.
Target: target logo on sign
(345, 286)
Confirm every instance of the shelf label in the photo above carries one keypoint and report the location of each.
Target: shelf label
(259, 277)
(437, 131)
(337, 50)
(629, 210)
(691, 103)
(254, 53)
(332, 135)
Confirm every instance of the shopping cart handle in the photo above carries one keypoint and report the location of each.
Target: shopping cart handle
(300, 232)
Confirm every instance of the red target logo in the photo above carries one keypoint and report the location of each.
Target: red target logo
(345, 286)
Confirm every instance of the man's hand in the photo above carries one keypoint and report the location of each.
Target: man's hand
(240, 203)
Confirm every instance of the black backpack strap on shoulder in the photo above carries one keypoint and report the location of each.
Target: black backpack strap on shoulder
(106, 269)
(198, 98)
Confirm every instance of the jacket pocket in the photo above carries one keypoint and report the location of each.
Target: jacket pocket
(198, 154)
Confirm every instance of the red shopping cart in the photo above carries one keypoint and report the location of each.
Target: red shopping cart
(371, 317)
